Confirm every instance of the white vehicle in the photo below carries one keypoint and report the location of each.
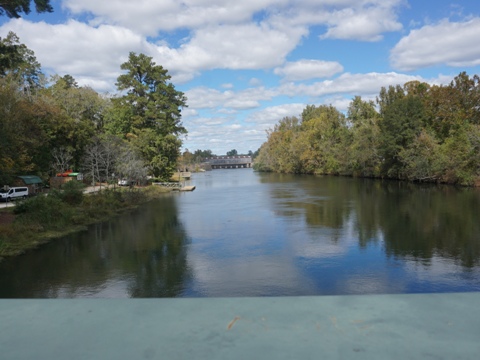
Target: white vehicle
(125, 182)
(13, 193)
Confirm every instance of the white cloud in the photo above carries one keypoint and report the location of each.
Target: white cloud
(365, 23)
(247, 46)
(255, 82)
(339, 102)
(308, 69)
(348, 19)
(364, 20)
(221, 34)
(221, 138)
(357, 84)
(150, 16)
(273, 114)
(451, 43)
(91, 55)
(207, 98)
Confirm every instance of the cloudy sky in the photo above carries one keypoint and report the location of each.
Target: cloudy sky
(245, 64)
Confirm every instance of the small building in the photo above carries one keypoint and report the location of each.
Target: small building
(34, 183)
(57, 181)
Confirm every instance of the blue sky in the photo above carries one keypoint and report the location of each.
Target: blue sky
(244, 65)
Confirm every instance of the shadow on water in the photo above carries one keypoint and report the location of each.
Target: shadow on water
(139, 254)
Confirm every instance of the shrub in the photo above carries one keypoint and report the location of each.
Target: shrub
(72, 192)
(44, 212)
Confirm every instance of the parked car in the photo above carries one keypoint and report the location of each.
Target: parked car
(125, 182)
(13, 193)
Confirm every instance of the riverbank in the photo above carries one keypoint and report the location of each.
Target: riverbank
(42, 219)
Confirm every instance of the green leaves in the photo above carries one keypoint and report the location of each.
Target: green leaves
(13, 8)
(35, 119)
(19, 63)
(420, 133)
(151, 112)
(402, 122)
(154, 103)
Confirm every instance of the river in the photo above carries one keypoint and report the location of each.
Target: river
(242, 233)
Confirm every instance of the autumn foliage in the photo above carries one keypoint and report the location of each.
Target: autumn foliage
(416, 132)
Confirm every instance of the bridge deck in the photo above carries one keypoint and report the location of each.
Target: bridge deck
(230, 162)
(440, 326)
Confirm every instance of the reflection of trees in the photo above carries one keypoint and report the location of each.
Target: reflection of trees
(416, 221)
(159, 262)
(321, 201)
(332, 208)
(420, 221)
(432, 220)
(142, 252)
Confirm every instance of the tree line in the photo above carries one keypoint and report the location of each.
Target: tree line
(417, 132)
(50, 125)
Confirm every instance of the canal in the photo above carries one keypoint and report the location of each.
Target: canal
(242, 233)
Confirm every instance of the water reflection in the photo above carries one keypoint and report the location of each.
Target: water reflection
(141, 254)
(242, 233)
(414, 221)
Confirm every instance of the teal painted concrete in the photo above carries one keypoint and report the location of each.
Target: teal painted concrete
(427, 326)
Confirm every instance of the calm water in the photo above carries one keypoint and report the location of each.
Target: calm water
(242, 233)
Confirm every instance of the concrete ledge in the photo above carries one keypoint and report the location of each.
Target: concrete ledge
(440, 326)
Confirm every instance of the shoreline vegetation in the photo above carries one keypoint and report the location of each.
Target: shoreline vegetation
(41, 219)
(416, 132)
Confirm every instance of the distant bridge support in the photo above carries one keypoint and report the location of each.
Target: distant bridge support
(230, 162)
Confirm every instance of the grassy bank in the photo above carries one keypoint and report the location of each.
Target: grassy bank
(40, 219)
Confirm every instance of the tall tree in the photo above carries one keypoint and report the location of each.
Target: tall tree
(388, 96)
(360, 110)
(155, 108)
(13, 8)
(19, 63)
(82, 109)
(364, 159)
(402, 123)
(324, 139)
(26, 127)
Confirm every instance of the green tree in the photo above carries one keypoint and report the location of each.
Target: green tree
(160, 153)
(27, 126)
(13, 8)
(420, 133)
(201, 155)
(232, 152)
(154, 108)
(360, 110)
(82, 109)
(282, 151)
(421, 158)
(20, 64)
(402, 123)
(324, 138)
(364, 158)
(449, 108)
(388, 96)
(117, 119)
(459, 156)
(79, 103)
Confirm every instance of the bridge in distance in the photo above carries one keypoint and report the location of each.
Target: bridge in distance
(230, 162)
